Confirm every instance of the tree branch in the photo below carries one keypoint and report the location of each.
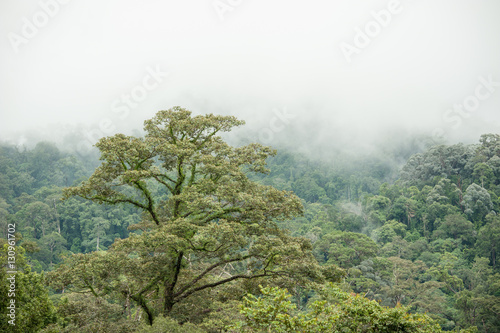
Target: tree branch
(206, 271)
(215, 284)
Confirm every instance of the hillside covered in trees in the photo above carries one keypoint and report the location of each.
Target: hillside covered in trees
(178, 231)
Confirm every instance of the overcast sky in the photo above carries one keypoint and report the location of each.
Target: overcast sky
(347, 70)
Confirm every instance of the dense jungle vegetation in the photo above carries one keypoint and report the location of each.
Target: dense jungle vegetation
(178, 231)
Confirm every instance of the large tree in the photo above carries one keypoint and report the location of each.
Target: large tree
(205, 224)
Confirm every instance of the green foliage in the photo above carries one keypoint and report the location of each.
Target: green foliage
(488, 240)
(33, 309)
(79, 313)
(428, 241)
(477, 202)
(345, 249)
(212, 227)
(169, 325)
(457, 227)
(389, 231)
(335, 311)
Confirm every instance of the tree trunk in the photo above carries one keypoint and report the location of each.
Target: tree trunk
(142, 303)
(169, 302)
(57, 218)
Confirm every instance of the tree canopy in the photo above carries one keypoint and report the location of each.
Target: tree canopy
(205, 224)
(424, 243)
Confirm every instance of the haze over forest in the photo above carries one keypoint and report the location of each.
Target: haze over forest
(133, 199)
(66, 75)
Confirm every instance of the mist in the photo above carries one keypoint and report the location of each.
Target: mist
(320, 77)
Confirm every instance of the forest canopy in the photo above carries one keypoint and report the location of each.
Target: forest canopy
(179, 231)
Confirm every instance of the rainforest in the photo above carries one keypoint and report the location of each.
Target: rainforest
(177, 230)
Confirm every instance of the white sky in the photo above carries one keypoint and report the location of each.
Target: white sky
(263, 55)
